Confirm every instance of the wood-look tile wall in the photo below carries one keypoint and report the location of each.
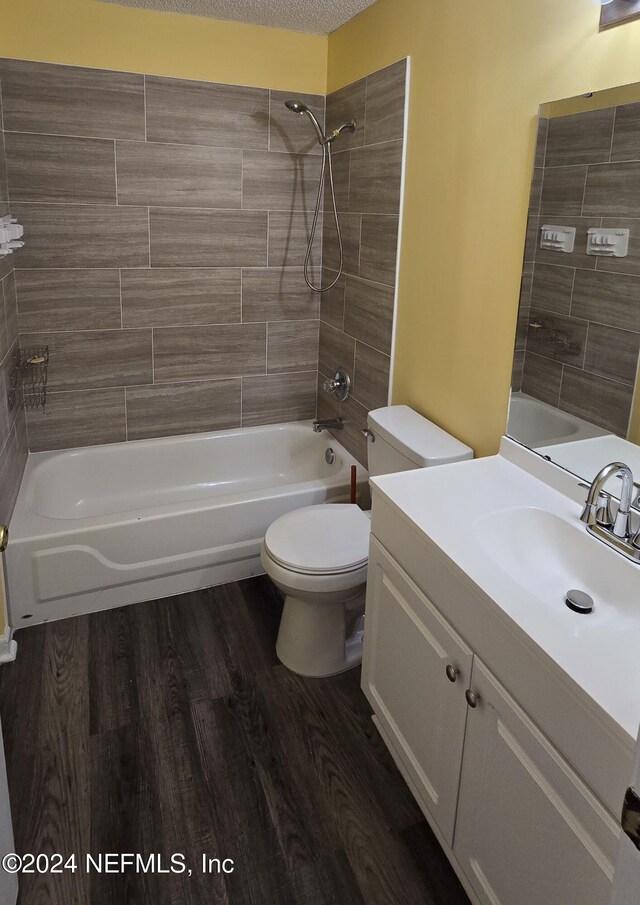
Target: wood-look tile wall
(356, 316)
(13, 434)
(166, 223)
(587, 174)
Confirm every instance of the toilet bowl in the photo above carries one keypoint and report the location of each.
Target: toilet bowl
(317, 556)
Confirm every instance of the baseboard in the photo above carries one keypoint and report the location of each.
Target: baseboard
(8, 647)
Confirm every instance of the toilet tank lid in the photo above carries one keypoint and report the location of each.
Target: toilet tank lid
(420, 440)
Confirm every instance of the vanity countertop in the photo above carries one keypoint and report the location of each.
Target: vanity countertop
(520, 541)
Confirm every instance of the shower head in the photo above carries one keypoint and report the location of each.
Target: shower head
(299, 107)
(296, 107)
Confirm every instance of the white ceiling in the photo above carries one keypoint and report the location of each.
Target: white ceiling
(320, 16)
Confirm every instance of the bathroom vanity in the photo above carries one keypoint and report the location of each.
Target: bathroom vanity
(512, 718)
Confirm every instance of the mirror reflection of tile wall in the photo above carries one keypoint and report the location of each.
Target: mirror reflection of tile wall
(578, 338)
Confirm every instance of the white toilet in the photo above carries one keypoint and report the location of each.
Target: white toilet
(318, 555)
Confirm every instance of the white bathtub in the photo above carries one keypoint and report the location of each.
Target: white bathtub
(103, 526)
(537, 424)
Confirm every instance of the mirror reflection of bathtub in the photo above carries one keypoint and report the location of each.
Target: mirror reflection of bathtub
(537, 424)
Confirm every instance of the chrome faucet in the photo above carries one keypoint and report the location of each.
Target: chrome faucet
(617, 532)
(329, 424)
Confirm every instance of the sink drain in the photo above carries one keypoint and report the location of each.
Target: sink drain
(579, 601)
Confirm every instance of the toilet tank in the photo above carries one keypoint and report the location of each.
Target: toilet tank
(405, 440)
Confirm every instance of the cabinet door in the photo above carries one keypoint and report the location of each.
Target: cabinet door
(408, 646)
(528, 830)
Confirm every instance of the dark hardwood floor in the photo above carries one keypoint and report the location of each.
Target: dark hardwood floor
(170, 727)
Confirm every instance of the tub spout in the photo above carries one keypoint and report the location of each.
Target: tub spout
(334, 424)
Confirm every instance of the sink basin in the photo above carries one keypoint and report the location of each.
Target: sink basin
(547, 556)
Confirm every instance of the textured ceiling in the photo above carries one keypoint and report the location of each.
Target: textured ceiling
(320, 16)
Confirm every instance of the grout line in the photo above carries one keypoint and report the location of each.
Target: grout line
(115, 167)
(613, 132)
(149, 232)
(573, 285)
(120, 291)
(153, 358)
(126, 416)
(144, 98)
(266, 348)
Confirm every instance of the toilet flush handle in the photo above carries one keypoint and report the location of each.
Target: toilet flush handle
(368, 434)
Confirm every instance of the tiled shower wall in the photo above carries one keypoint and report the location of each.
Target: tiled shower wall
(13, 436)
(165, 222)
(587, 175)
(356, 317)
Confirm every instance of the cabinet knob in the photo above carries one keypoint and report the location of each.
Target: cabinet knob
(472, 697)
(452, 673)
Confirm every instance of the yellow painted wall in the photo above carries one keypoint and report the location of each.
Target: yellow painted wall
(104, 35)
(479, 72)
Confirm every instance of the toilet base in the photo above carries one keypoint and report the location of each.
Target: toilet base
(312, 639)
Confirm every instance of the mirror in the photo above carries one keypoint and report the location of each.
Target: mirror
(575, 387)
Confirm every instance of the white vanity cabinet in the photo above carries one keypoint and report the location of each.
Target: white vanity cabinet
(518, 824)
(415, 670)
(528, 830)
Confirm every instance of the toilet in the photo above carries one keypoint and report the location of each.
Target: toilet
(317, 556)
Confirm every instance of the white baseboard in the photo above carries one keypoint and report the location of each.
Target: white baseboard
(8, 647)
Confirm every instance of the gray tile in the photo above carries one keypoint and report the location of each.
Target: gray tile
(541, 378)
(602, 402)
(292, 346)
(199, 353)
(55, 300)
(178, 175)
(276, 398)
(555, 335)
(12, 462)
(626, 135)
(336, 350)
(613, 190)
(630, 264)
(579, 256)
(332, 301)
(182, 408)
(83, 235)
(374, 179)
(95, 358)
(350, 225)
(4, 341)
(354, 416)
(516, 371)
(273, 180)
(384, 117)
(205, 113)
(81, 418)
(532, 235)
(53, 168)
(198, 238)
(341, 169)
(70, 100)
(551, 288)
(294, 132)
(522, 328)
(277, 294)
(7, 413)
(608, 298)
(289, 234)
(378, 248)
(344, 105)
(562, 192)
(168, 297)
(580, 138)
(11, 308)
(369, 313)
(612, 353)
(371, 377)
(4, 190)
(541, 141)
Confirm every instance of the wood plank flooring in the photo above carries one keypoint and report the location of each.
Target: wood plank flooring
(171, 727)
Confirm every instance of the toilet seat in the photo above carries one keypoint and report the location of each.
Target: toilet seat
(322, 540)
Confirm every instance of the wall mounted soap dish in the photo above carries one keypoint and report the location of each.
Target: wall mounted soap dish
(28, 378)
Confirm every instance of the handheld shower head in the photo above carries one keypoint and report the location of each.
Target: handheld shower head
(296, 107)
(299, 107)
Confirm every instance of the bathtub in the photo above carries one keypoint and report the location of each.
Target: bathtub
(538, 424)
(104, 526)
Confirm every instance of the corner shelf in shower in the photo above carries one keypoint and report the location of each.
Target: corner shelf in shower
(28, 378)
